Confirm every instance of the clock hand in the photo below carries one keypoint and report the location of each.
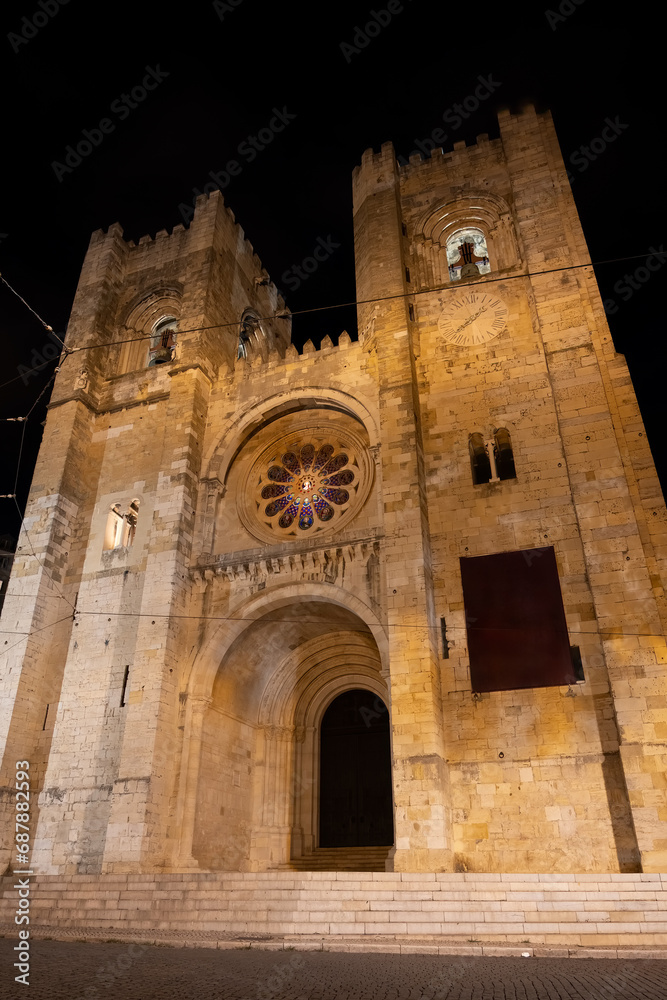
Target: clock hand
(471, 319)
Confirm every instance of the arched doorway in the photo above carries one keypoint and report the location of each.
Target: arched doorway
(355, 772)
(250, 793)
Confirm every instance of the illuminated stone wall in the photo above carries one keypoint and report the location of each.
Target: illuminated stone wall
(189, 672)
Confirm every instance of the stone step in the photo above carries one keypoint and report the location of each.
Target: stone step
(582, 911)
(340, 859)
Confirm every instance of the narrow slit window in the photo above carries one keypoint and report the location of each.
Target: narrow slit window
(445, 643)
(123, 692)
(577, 664)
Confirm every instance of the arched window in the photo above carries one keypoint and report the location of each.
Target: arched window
(493, 460)
(250, 331)
(467, 254)
(163, 341)
(479, 459)
(503, 454)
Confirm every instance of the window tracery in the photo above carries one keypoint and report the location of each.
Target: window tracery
(307, 486)
(299, 476)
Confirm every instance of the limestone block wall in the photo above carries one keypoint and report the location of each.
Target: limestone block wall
(37, 614)
(421, 794)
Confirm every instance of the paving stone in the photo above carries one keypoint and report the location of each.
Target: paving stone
(78, 971)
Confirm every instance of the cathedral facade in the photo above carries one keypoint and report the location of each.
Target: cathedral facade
(401, 596)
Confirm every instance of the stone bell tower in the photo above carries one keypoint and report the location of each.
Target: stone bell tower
(524, 523)
(109, 532)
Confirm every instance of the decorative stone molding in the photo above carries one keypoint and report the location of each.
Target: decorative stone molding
(309, 564)
(285, 733)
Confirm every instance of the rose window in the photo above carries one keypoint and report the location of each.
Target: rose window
(306, 487)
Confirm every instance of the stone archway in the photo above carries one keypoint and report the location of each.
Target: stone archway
(327, 674)
(254, 779)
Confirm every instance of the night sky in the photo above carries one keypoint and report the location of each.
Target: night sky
(222, 72)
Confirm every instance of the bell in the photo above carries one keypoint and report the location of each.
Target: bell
(161, 355)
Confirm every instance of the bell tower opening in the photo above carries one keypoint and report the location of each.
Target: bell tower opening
(355, 773)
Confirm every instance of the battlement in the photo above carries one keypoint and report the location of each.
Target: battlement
(211, 214)
(309, 351)
(373, 164)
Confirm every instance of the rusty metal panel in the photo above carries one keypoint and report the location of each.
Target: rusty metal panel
(517, 633)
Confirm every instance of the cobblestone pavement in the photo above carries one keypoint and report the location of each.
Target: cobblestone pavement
(80, 971)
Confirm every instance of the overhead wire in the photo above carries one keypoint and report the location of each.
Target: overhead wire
(27, 635)
(289, 314)
(29, 371)
(283, 314)
(24, 423)
(318, 621)
(28, 306)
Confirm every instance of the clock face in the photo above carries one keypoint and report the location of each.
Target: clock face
(473, 318)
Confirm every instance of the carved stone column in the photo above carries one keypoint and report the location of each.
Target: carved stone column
(186, 805)
(270, 840)
(212, 490)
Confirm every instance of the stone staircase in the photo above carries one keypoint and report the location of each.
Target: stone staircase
(622, 916)
(340, 859)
